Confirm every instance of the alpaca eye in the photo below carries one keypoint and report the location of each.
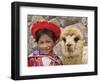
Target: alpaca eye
(64, 39)
(76, 39)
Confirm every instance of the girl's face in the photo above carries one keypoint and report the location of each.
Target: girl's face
(45, 44)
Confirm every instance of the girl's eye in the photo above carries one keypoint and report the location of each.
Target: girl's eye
(48, 41)
(76, 39)
(41, 42)
(64, 39)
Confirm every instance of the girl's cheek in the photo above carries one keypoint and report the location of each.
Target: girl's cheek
(52, 44)
(40, 46)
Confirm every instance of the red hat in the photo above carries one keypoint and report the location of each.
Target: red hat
(46, 25)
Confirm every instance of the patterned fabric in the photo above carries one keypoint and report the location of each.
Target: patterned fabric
(37, 59)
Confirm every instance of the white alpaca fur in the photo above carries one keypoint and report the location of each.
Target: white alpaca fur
(72, 44)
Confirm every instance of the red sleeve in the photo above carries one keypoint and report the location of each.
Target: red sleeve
(34, 61)
(30, 62)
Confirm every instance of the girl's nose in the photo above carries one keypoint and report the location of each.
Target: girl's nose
(45, 45)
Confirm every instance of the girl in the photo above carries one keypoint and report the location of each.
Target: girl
(46, 34)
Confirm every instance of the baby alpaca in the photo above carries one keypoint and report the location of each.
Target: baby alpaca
(71, 44)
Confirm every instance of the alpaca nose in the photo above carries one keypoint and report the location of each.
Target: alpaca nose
(68, 45)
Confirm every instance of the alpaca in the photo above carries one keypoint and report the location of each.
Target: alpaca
(71, 45)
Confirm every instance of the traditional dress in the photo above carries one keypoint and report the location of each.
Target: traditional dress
(38, 59)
